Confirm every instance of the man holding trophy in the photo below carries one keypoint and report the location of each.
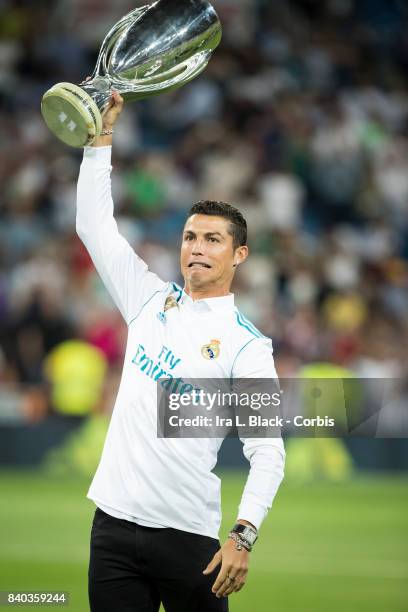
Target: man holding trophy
(155, 532)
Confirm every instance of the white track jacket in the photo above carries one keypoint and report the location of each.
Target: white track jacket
(167, 482)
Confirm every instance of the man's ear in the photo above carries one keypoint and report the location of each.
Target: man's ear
(240, 256)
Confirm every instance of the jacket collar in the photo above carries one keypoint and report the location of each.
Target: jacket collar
(225, 302)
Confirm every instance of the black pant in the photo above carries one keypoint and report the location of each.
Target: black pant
(134, 568)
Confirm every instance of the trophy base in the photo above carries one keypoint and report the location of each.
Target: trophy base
(71, 114)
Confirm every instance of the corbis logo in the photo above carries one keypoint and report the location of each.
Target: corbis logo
(211, 350)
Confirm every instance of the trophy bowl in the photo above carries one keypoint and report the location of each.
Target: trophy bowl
(151, 50)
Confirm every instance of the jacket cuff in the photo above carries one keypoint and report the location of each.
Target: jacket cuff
(251, 512)
(100, 155)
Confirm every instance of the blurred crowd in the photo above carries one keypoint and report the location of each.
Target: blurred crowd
(300, 120)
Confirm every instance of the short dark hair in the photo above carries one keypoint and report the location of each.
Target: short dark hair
(238, 226)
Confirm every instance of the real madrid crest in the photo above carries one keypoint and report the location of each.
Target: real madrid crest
(211, 350)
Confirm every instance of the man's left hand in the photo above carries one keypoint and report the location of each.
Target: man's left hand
(234, 569)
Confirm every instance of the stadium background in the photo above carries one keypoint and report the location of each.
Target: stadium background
(301, 121)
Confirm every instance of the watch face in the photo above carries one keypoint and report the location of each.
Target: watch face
(247, 533)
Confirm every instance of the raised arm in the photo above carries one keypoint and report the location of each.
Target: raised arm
(124, 274)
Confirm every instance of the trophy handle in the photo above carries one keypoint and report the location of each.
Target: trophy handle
(99, 86)
(111, 38)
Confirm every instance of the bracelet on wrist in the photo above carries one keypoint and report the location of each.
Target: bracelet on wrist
(239, 542)
(106, 133)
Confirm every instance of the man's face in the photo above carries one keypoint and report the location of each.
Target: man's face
(207, 253)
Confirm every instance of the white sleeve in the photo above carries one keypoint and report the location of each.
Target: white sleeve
(124, 274)
(266, 455)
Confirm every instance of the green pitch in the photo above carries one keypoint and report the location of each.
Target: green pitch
(323, 547)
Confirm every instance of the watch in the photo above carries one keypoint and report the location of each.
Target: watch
(246, 533)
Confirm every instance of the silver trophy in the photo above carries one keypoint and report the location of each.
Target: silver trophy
(152, 49)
